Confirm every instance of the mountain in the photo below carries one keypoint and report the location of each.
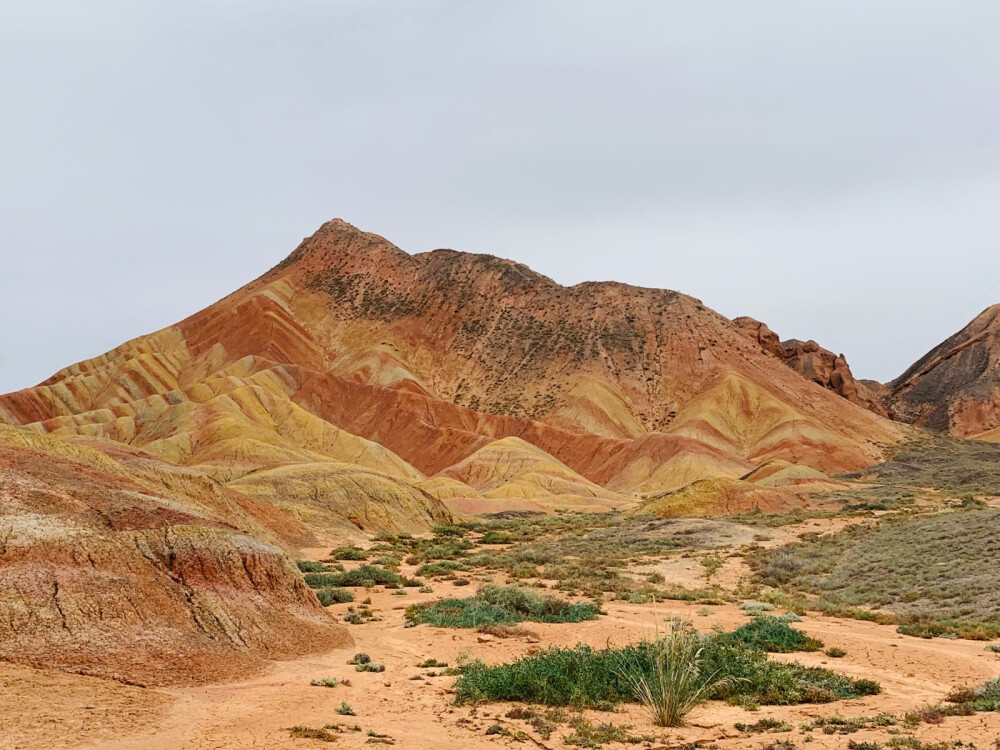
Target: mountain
(955, 387)
(353, 358)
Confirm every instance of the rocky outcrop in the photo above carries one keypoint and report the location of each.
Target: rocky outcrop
(955, 387)
(814, 363)
(103, 572)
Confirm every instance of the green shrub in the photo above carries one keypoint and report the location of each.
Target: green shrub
(327, 682)
(335, 595)
(774, 635)
(496, 537)
(835, 652)
(364, 575)
(500, 605)
(344, 709)
(448, 531)
(349, 553)
(308, 566)
(443, 568)
(589, 678)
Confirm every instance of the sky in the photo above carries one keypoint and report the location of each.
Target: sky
(832, 169)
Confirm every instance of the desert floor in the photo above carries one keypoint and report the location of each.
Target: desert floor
(43, 709)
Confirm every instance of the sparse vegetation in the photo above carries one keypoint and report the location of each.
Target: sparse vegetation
(933, 575)
(366, 576)
(311, 733)
(344, 709)
(761, 726)
(334, 595)
(327, 682)
(586, 734)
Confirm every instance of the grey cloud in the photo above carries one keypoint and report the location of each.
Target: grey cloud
(832, 168)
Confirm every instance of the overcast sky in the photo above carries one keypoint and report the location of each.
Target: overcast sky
(830, 168)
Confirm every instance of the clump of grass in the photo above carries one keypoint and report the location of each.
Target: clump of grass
(308, 566)
(334, 595)
(507, 631)
(361, 615)
(443, 568)
(428, 663)
(678, 680)
(349, 553)
(365, 576)
(311, 733)
(774, 635)
(344, 709)
(327, 682)
(590, 735)
(842, 726)
(835, 652)
(363, 663)
(500, 605)
(543, 722)
(496, 537)
(761, 726)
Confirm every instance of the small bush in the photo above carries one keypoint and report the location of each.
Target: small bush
(349, 553)
(500, 605)
(766, 724)
(443, 568)
(428, 663)
(344, 709)
(328, 682)
(835, 652)
(308, 566)
(310, 733)
(334, 595)
(774, 635)
(496, 537)
(365, 576)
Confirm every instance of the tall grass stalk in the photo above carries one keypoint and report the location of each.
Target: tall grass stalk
(676, 683)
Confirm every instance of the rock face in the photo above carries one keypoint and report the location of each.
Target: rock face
(814, 363)
(955, 387)
(146, 574)
(352, 353)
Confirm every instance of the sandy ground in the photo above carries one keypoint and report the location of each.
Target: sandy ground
(42, 709)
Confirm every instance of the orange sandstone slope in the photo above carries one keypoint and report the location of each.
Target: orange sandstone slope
(352, 354)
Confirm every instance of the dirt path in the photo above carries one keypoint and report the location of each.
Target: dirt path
(45, 709)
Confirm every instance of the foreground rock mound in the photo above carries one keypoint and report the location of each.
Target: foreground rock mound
(147, 579)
